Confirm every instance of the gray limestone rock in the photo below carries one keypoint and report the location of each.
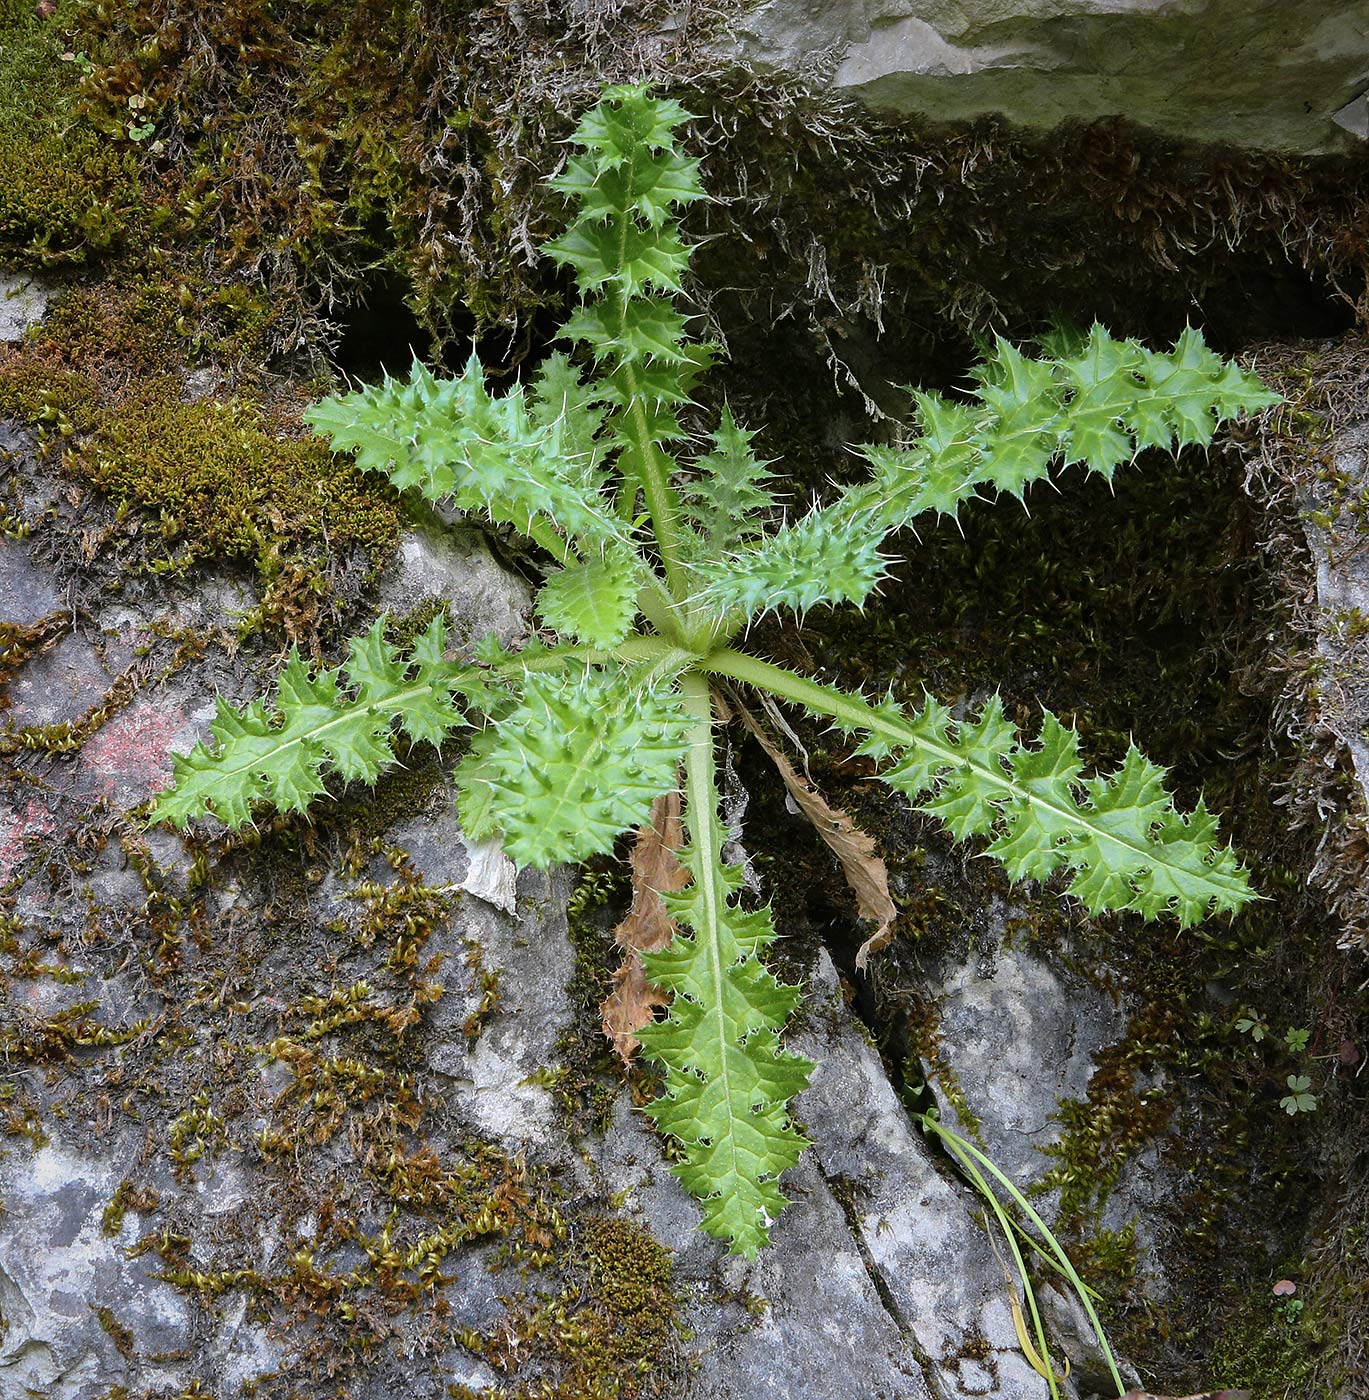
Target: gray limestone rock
(456, 564)
(27, 593)
(61, 684)
(1022, 1034)
(934, 1265)
(23, 300)
(492, 1078)
(82, 1315)
(1283, 77)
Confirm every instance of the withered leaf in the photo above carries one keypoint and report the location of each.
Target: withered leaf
(647, 927)
(864, 869)
(1202, 1395)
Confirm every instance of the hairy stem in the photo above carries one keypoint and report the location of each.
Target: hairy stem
(820, 699)
(653, 475)
(701, 824)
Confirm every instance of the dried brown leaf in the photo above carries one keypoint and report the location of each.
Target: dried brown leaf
(1202, 1395)
(864, 869)
(647, 928)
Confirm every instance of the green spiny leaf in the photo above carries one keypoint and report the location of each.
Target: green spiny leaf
(647, 184)
(967, 797)
(278, 755)
(727, 1079)
(593, 601)
(1097, 405)
(575, 763)
(1120, 836)
(571, 413)
(626, 120)
(645, 329)
(1184, 382)
(729, 493)
(450, 438)
(824, 557)
(622, 254)
(1019, 437)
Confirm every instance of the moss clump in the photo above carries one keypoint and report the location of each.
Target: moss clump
(233, 478)
(66, 190)
(62, 196)
(588, 1076)
(1100, 1134)
(126, 1197)
(328, 146)
(222, 484)
(612, 1333)
(629, 1273)
(1274, 1350)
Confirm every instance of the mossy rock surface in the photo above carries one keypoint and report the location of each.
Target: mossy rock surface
(366, 177)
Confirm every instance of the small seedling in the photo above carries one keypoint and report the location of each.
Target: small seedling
(1254, 1025)
(1298, 1100)
(1285, 1304)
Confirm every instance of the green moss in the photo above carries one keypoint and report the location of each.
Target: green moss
(226, 478)
(121, 1336)
(629, 1273)
(1273, 1351)
(62, 196)
(39, 394)
(53, 1039)
(126, 1197)
(21, 1117)
(355, 186)
(222, 483)
(1102, 1132)
(589, 1075)
(612, 1333)
(66, 190)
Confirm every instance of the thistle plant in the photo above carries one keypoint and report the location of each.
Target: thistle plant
(661, 549)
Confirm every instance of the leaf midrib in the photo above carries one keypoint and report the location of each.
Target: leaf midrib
(820, 699)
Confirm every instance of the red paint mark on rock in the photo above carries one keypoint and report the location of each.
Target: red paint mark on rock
(14, 827)
(129, 757)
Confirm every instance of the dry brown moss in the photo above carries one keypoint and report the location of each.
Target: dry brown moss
(323, 149)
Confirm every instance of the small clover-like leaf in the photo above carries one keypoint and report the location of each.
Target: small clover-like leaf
(1298, 1099)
